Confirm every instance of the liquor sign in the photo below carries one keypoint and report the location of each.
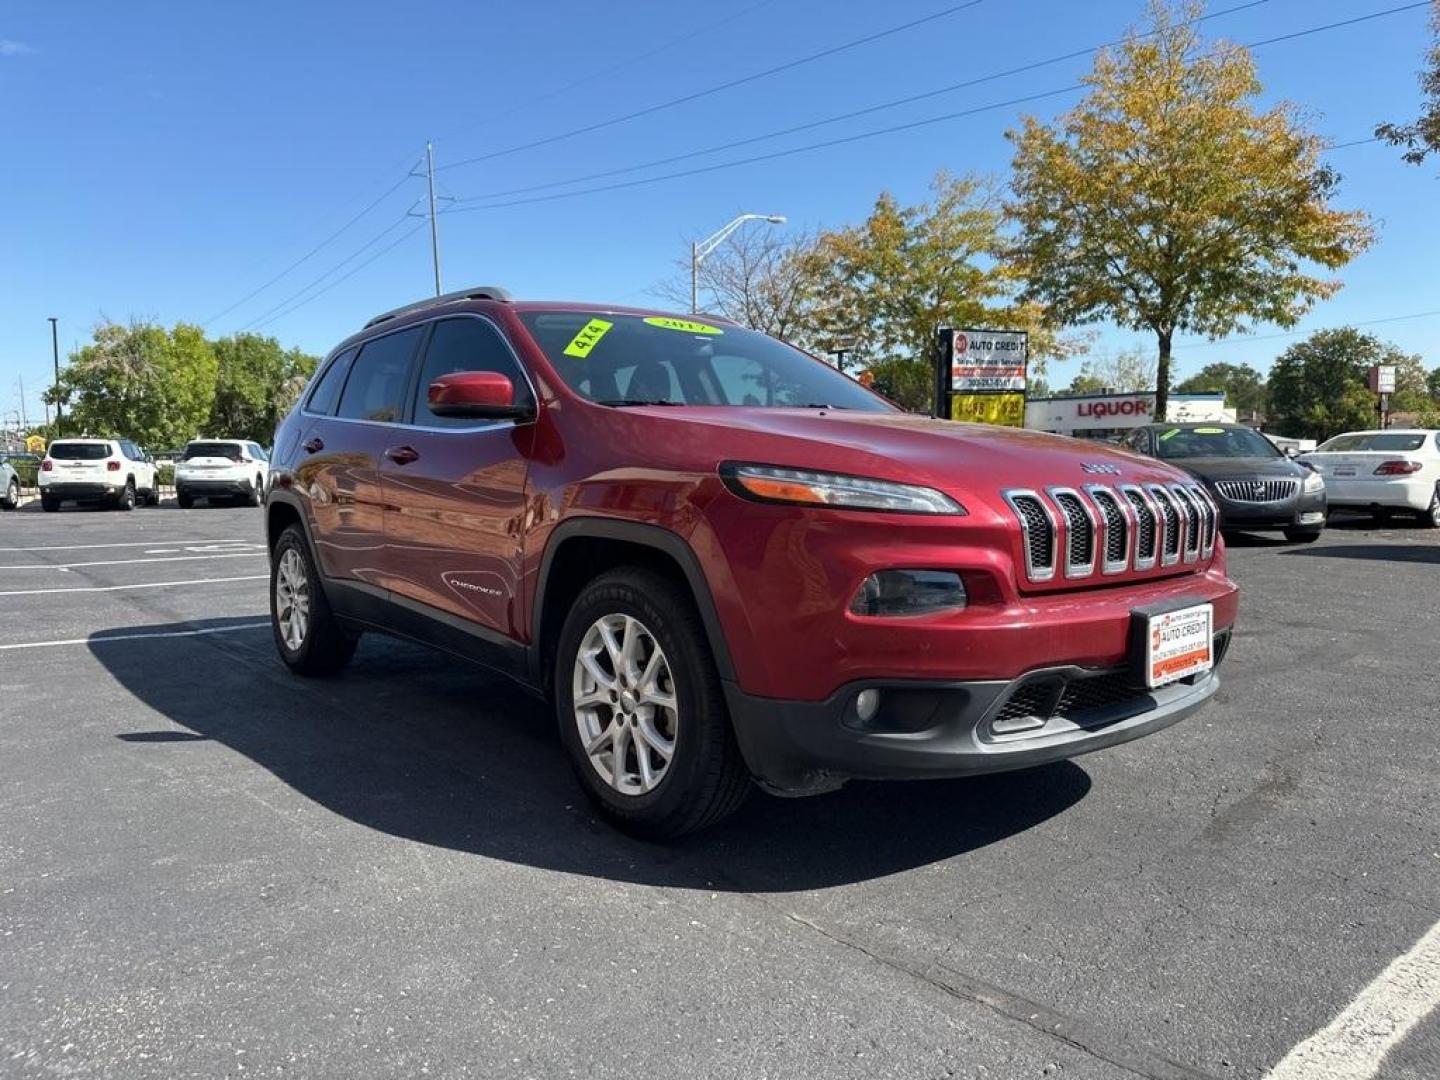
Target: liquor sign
(980, 376)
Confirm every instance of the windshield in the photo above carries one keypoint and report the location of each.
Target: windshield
(1213, 442)
(80, 451)
(212, 449)
(1374, 440)
(637, 360)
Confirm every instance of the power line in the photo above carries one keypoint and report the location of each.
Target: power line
(664, 46)
(313, 251)
(892, 129)
(1244, 338)
(731, 84)
(264, 316)
(346, 277)
(826, 121)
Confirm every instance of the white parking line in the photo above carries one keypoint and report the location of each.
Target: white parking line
(136, 637)
(133, 543)
(1353, 1045)
(145, 585)
(131, 562)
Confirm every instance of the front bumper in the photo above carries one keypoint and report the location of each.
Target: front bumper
(1400, 493)
(1303, 510)
(82, 492)
(932, 730)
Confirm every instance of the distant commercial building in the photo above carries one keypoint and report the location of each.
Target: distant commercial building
(1102, 416)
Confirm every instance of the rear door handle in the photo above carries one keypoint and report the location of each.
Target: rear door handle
(314, 445)
(402, 455)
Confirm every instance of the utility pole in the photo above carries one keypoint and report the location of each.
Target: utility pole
(434, 225)
(55, 355)
(694, 276)
(24, 416)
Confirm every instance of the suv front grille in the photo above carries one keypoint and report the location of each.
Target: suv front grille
(1257, 491)
(1080, 533)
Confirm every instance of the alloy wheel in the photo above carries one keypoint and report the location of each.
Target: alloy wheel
(625, 704)
(292, 599)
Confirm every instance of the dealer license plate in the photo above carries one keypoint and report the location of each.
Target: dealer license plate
(1343, 470)
(1179, 644)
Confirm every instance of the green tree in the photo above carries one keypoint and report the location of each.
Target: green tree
(1165, 202)
(140, 381)
(1422, 136)
(1318, 386)
(1086, 382)
(883, 288)
(1244, 387)
(1432, 384)
(256, 384)
(1127, 370)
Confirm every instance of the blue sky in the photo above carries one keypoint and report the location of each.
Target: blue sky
(165, 159)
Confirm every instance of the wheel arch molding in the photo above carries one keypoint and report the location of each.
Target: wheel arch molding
(567, 565)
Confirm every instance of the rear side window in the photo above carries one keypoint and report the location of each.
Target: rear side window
(379, 377)
(74, 451)
(327, 387)
(465, 345)
(1375, 440)
(212, 449)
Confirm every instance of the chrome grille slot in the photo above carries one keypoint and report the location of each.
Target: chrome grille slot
(1171, 522)
(1115, 551)
(1080, 529)
(1037, 530)
(1257, 491)
(1191, 511)
(1211, 514)
(1145, 527)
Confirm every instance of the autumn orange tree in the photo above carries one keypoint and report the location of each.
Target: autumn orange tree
(1166, 202)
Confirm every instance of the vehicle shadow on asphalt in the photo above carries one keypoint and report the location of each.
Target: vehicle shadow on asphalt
(1411, 553)
(429, 748)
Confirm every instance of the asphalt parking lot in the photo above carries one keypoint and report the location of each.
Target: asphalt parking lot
(211, 868)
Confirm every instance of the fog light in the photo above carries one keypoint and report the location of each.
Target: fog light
(867, 704)
(909, 592)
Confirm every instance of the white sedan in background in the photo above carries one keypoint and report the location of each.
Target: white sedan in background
(1382, 471)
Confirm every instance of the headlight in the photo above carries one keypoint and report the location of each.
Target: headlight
(1312, 483)
(894, 593)
(767, 483)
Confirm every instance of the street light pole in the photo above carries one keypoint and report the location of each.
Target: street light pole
(55, 356)
(700, 251)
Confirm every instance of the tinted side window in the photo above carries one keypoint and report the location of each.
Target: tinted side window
(327, 387)
(378, 378)
(465, 345)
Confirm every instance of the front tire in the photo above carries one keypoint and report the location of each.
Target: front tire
(307, 633)
(12, 495)
(1302, 536)
(641, 712)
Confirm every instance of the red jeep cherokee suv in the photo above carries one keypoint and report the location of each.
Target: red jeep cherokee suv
(725, 561)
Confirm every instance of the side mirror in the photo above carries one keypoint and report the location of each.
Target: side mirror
(1292, 452)
(481, 395)
(149, 459)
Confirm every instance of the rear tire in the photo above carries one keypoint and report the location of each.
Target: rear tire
(1302, 536)
(126, 501)
(184, 499)
(12, 495)
(307, 634)
(256, 493)
(664, 693)
(48, 504)
(1430, 519)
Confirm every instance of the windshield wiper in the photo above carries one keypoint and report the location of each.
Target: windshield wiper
(621, 403)
(819, 405)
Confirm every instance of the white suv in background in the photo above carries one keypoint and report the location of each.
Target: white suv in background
(217, 469)
(113, 471)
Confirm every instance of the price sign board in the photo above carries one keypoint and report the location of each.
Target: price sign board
(980, 376)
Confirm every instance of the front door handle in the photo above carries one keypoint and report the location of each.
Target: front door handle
(402, 455)
(315, 445)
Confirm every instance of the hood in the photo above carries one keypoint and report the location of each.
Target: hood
(1228, 468)
(963, 460)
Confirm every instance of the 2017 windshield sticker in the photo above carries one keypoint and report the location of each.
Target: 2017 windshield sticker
(588, 337)
(1209, 431)
(685, 326)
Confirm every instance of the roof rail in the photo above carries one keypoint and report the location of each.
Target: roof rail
(476, 292)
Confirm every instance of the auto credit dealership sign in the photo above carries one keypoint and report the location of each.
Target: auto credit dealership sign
(980, 376)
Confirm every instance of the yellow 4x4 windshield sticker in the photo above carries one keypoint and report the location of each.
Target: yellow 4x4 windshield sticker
(588, 337)
(685, 326)
(1170, 434)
